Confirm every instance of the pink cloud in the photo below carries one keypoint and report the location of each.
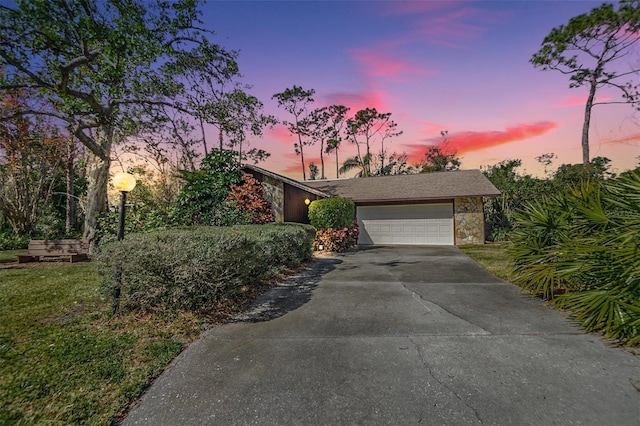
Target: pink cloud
(579, 101)
(469, 141)
(280, 133)
(452, 29)
(625, 140)
(381, 64)
(357, 101)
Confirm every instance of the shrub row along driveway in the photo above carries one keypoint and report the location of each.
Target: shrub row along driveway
(397, 335)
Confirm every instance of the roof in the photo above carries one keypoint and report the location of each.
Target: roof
(287, 180)
(425, 186)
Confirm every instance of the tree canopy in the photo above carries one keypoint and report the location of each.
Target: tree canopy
(593, 49)
(104, 68)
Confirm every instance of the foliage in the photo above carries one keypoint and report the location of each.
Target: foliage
(395, 164)
(579, 248)
(332, 212)
(249, 197)
(574, 174)
(366, 128)
(31, 153)
(197, 268)
(106, 69)
(440, 158)
(64, 360)
(11, 241)
(517, 190)
(325, 125)
(296, 101)
(590, 48)
(206, 189)
(337, 239)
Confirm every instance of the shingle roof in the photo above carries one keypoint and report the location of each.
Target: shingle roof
(438, 185)
(285, 179)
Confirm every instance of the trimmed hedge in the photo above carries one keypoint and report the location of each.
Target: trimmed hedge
(333, 213)
(195, 268)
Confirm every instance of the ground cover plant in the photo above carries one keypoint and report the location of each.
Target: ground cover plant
(492, 257)
(63, 359)
(580, 249)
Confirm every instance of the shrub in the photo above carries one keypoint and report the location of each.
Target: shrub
(337, 240)
(333, 213)
(249, 197)
(579, 249)
(11, 241)
(195, 268)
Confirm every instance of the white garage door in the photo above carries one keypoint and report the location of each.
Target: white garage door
(406, 224)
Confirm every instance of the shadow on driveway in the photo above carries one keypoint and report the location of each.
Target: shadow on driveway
(290, 295)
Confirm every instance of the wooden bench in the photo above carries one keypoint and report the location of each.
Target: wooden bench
(75, 250)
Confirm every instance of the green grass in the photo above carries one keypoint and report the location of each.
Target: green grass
(7, 256)
(492, 257)
(63, 359)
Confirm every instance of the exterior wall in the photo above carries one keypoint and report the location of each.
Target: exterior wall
(295, 210)
(274, 192)
(468, 221)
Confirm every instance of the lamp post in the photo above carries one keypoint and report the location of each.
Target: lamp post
(123, 182)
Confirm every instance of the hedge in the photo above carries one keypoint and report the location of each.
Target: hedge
(333, 213)
(196, 268)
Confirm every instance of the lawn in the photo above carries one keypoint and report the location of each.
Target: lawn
(492, 257)
(10, 255)
(63, 359)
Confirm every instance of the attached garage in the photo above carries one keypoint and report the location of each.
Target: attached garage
(413, 224)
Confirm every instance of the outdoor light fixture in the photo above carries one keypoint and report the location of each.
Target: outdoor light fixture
(307, 201)
(123, 182)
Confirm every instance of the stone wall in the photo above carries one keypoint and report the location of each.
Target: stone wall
(274, 192)
(468, 221)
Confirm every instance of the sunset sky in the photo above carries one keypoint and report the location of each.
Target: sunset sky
(456, 66)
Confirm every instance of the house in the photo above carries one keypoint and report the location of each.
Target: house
(441, 208)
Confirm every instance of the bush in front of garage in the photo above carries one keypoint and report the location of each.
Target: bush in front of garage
(196, 268)
(332, 213)
(335, 222)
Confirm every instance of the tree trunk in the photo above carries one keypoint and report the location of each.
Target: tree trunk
(587, 121)
(322, 160)
(70, 214)
(97, 191)
(304, 172)
(337, 168)
(204, 137)
(220, 137)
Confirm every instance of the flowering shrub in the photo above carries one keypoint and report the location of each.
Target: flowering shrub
(337, 240)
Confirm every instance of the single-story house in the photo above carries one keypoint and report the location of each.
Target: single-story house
(441, 208)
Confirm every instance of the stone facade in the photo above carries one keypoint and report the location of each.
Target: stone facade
(468, 221)
(274, 192)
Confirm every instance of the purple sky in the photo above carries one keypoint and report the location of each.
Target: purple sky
(456, 66)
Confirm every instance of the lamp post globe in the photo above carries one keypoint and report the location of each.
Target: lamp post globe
(123, 182)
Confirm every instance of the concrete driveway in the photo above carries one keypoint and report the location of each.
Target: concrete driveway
(397, 335)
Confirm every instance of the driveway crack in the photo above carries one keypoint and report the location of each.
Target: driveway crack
(420, 298)
(429, 370)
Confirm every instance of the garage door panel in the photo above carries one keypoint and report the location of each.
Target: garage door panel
(406, 224)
